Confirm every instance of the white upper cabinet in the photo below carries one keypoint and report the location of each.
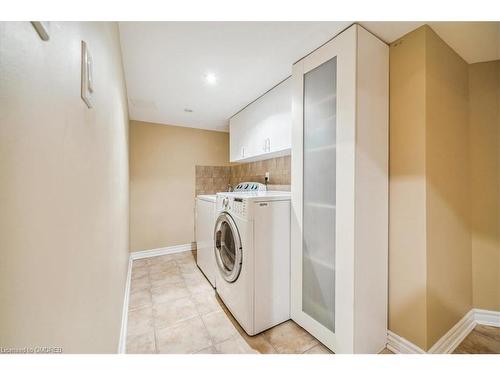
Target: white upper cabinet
(262, 130)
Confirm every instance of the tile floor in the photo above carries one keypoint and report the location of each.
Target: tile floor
(482, 340)
(173, 309)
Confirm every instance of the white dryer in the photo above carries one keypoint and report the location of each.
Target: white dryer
(252, 253)
(204, 235)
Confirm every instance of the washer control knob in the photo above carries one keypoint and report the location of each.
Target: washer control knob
(225, 202)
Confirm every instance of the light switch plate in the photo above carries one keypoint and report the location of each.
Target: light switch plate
(87, 75)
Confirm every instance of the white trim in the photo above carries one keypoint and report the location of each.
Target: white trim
(451, 339)
(400, 345)
(487, 317)
(122, 344)
(161, 251)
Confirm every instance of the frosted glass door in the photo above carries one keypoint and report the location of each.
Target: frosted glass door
(319, 190)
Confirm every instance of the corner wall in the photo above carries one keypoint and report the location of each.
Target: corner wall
(430, 279)
(449, 263)
(484, 117)
(63, 189)
(407, 169)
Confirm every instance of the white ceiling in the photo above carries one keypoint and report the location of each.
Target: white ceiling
(165, 62)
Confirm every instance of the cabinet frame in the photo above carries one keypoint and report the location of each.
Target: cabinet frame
(361, 223)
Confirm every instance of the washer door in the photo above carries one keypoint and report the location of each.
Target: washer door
(228, 253)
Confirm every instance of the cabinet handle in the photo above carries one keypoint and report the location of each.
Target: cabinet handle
(268, 141)
(243, 152)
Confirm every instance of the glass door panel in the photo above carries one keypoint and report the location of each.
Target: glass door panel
(319, 190)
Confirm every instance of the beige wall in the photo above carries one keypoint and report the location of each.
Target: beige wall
(449, 263)
(162, 180)
(63, 189)
(484, 90)
(430, 286)
(407, 224)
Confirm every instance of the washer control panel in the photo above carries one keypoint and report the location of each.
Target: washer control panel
(238, 206)
(250, 186)
(234, 205)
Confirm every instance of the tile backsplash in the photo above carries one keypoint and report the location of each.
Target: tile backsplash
(278, 168)
(211, 179)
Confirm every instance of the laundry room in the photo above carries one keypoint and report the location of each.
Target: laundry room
(227, 187)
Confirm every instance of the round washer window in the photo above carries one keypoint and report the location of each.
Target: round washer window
(228, 252)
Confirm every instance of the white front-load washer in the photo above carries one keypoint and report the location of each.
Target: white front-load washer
(252, 253)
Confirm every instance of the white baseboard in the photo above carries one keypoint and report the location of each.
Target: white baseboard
(122, 345)
(451, 339)
(400, 345)
(162, 251)
(487, 317)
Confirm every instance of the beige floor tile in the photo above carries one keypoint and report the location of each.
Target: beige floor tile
(219, 326)
(195, 277)
(189, 336)
(188, 268)
(165, 266)
(206, 302)
(171, 293)
(141, 344)
(289, 338)
(140, 321)
(209, 350)
(234, 345)
(477, 343)
(140, 283)
(139, 263)
(174, 312)
(185, 259)
(160, 259)
(233, 320)
(493, 332)
(138, 272)
(189, 255)
(165, 278)
(139, 299)
(259, 343)
(318, 349)
(200, 287)
(167, 293)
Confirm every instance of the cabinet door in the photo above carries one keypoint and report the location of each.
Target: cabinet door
(238, 138)
(277, 128)
(323, 192)
(263, 128)
(234, 140)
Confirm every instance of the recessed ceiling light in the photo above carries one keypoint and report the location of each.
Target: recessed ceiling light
(211, 78)
(188, 110)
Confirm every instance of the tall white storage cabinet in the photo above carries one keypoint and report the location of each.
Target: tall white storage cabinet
(339, 222)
